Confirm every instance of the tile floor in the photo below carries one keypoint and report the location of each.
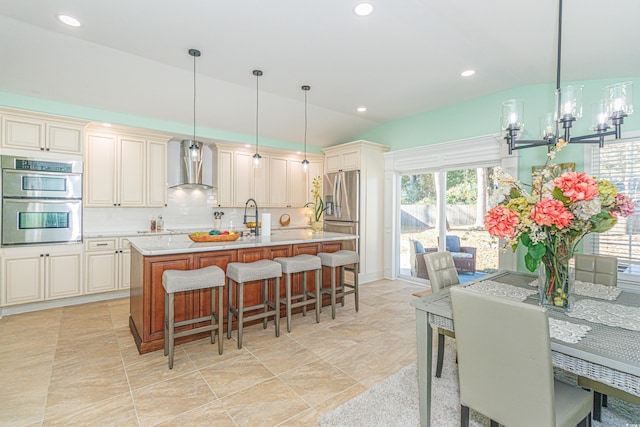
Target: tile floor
(79, 365)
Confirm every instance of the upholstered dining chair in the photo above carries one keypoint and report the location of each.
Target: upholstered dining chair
(504, 364)
(602, 270)
(442, 274)
(599, 269)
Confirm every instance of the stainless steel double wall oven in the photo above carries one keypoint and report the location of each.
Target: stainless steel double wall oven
(41, 201)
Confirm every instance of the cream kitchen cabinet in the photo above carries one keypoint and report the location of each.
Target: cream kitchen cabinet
(346, 159)
(38, 132)
(315, 169)
(250, 182)
(124, 171)
(288, 183)
(223, 176)
(107, 264)
(39, 274)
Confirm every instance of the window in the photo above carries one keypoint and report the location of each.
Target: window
(619, 162)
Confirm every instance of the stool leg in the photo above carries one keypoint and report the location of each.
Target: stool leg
(342, 284)
(355, 281)
(229, 314)
(171, 317)
(304, 292)
(213, 316)
(288, 301)
(333, 292)
(265, 301)
(277, 292)
(220, 319)
(166, 324)
(318, 294)
(240, 312)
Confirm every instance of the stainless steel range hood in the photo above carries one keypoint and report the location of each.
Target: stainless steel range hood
(191, 166)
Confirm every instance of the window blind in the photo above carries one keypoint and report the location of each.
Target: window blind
(619, 162)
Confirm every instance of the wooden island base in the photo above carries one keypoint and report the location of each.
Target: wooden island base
(147, 294)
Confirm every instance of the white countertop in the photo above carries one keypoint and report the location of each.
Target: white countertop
(168, 244)
(172, 231)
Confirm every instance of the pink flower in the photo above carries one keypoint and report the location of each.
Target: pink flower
(577, 186)
(551, 212)
(625, 205)
(501, 222)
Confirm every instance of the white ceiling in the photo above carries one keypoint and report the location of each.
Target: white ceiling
(131, 57)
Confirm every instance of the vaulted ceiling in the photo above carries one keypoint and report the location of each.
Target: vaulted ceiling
(405, 58)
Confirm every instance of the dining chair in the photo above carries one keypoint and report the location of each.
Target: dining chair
(442, 274)
(504, 364)
(602, 270)
(599, 269)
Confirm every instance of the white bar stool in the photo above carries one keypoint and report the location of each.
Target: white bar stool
(302, 264)
(240, 273)
(340, 259)
(192, 280)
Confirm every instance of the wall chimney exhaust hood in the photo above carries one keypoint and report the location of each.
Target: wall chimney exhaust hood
(190, 149)
(191, 166)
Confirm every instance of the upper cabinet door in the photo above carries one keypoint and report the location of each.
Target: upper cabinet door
(132, 172)
(19, 132)
(279, 178)
(156, 174)
(224, 174)
(297, 184)
(100, 176)
(243, 178)
(62, 138)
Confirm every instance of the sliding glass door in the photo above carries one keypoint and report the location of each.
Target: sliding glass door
(444, 210)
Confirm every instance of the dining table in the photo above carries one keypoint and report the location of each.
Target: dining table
(599, 338)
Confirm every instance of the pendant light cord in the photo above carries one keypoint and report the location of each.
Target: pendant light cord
(559, 94)
(257, 74)
(194, 98)
(305, 123)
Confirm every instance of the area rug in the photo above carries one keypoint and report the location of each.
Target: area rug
(394, 402)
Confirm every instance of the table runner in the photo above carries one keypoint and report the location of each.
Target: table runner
(609, 314)
(592, 290)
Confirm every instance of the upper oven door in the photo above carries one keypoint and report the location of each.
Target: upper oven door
(35, 221)
(42, 185)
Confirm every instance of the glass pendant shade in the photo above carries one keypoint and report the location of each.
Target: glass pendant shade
(548, 126)
(619, 99)
(513, 114)
(305, 165)
(569, 101)
(599, 115)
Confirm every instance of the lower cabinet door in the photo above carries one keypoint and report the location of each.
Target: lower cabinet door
(23, 280)
(63, 276)
(102, 271)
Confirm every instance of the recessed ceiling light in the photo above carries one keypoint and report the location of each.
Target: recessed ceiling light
(107, 125)
(364, 9)
(247, 145)
(298, 152)
(361, 109)
(468, 73)
(69, 20)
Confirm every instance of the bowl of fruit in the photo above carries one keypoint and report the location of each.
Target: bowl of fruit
(214, 236)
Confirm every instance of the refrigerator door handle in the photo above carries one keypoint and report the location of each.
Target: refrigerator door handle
(337, 194)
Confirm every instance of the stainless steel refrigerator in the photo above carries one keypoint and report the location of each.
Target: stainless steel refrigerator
(341, 194)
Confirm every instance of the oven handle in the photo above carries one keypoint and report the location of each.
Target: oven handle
(40, 200)
(36, 173)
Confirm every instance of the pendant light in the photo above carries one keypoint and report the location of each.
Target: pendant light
(305, 162)
(191, 149)
(257, 156)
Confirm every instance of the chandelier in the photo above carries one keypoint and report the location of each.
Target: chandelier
(607, 115)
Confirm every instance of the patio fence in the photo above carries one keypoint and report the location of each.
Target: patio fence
(425, 215)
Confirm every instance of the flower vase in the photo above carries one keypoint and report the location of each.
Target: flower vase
(316, 226)
(555, 282)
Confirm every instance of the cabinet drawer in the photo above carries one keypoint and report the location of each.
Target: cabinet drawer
(101, 244)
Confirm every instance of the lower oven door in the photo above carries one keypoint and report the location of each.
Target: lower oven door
(36, 221)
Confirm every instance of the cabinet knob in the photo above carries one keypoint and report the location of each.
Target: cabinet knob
(47, 149)
(41, 149)
(41, 255)
(47, 255)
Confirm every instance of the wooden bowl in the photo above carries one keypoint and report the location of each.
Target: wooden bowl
(209, 238)
(285, 219)
(252, 224)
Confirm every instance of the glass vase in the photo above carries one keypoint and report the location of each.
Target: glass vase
(555, 282)
(316, 226)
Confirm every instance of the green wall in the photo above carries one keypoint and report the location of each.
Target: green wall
(94, 114)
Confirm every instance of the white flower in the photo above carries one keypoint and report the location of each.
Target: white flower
(586, 209)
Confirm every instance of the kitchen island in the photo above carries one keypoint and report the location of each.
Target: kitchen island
(152, 255)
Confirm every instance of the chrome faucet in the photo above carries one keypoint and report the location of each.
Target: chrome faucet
(244, 221)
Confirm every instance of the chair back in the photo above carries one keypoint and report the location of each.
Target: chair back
(442, 271)
(599, 269)
(504, 359)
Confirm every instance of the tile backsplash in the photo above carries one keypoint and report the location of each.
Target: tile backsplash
(185, 209)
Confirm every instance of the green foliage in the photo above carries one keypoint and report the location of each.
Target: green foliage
(418, 190)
